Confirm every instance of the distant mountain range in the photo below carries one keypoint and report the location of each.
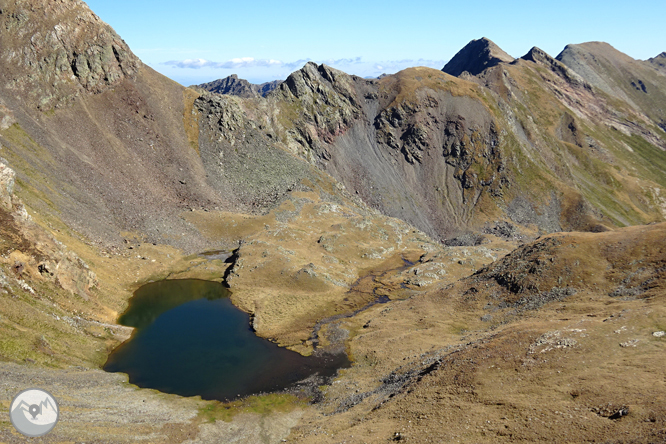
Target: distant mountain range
(239, 87)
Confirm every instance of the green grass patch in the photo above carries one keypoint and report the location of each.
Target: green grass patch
(458, 328)
(654, 158)
(289, 113)
(260, 404)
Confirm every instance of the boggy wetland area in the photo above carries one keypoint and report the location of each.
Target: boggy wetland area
(472, 254)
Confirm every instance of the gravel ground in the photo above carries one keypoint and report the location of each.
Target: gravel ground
(100, 407)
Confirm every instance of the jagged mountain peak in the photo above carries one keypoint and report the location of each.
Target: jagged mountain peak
(475, 57)
(230, 85)
(235, 86)
(541, 57)
(537, 55)
(312, 77)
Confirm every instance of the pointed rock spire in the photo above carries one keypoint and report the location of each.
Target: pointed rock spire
(475, 57)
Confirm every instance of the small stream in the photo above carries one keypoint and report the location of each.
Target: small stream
(379, 299)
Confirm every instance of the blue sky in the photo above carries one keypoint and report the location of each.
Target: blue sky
(203, 40)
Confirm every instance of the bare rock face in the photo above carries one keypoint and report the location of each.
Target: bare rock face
(463, 135)
(475, 57)
(317, 104)
(7, 176)
(59, 49)
(230, 85)
(265, 88)
(335, 88)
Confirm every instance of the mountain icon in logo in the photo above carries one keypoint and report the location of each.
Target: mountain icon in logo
(34, 412)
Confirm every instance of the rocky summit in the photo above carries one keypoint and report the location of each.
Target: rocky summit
(486, 243)
(239, 87)
(475, 57)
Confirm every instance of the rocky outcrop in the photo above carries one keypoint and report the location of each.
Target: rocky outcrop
(469, 143)
(659, 62)
(7, 176)
(59, 49)
(316, 104)
(33, 253)
(540, 57)
(234, 86)
(475, 57)
(230, 85)
(265, 88)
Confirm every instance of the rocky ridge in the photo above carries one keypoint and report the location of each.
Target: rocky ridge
(464, 138)
(634, 81)
(239, 87)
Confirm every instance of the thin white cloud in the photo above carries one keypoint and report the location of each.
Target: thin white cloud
(189, 63)
(236, 63)
(350, 61)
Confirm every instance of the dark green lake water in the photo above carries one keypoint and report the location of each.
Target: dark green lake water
(190, 340)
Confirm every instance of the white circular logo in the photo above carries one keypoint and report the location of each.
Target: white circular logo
(34, 412)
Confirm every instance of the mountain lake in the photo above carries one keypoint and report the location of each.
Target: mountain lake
(190, 340)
